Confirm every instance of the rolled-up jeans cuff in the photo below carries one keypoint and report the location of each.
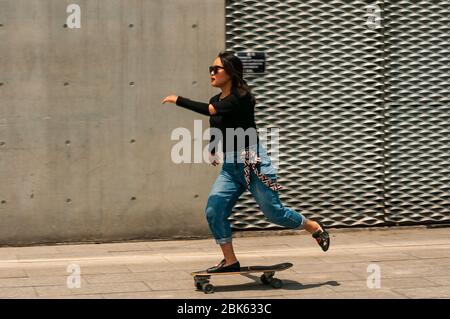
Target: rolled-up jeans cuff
(302, 225)
(222, 241)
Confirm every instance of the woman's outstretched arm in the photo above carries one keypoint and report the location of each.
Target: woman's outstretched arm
(199, 107)
(220, 107)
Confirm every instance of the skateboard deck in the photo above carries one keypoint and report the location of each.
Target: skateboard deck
(202, 278)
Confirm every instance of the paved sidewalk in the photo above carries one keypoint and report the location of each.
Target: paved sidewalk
(413, 263)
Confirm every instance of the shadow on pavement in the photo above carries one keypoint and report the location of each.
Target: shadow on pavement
(257, 285)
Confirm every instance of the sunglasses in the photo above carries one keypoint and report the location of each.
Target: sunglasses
(214, 69)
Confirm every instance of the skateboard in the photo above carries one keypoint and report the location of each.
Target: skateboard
(201, 278)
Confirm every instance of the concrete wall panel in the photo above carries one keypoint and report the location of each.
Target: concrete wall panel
(84, 141)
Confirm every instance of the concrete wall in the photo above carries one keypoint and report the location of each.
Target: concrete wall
(84, 152)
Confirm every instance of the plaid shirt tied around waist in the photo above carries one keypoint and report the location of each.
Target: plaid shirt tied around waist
(251, 159)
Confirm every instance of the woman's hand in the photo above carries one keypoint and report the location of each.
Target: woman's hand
(215, 159)
(170, 98)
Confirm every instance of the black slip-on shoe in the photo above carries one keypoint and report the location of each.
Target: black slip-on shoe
(236, 267)
(220, 264)
(322, 237)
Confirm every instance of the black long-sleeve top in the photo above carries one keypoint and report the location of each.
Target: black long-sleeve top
(233, 111)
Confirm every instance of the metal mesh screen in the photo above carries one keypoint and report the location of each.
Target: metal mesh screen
(418, 111)
(337, 89)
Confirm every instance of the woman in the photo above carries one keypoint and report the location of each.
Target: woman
(233, 108)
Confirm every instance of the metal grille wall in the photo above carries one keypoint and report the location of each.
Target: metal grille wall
(344, 96)
(417, 111)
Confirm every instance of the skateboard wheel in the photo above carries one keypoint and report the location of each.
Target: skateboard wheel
(208, 288)
(276, 283)
(264, 279)
(198, 286)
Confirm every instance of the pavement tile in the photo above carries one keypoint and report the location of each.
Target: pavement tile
(398, 271)
(411, 282)
(35, 282)
(391, 283)
(358, 268)
(137, 276)
(427, 292)
(12, 273)
(328, 276)
(406, 243)
(440, 261)
(7, 256)
(163, 295)
(60, 255)
(168, 284)
(377, 256)
(94, 296)
(51, 291)
(442, 251)
(150, 267)
(46, 249)
(17, 292)
(62, 270)
(362, 294)
(440, 280)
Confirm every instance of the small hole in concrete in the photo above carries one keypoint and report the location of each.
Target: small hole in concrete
(67, 142)
(194, 82)
(68, 200)
(196, 196)
(131, 25)
(133, 198)
(3, 201)
(131, 83)
(2, 143)
(194, 25)
(32, 196)
(1, 24)
(1, 83)
(133, 141)
(66, 83)
(65, 25)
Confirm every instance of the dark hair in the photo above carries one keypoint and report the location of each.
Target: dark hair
(234, 68)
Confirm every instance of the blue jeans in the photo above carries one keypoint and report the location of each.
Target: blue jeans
(230, 184)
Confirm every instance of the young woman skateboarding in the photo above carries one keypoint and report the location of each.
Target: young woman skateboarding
(243, 168)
